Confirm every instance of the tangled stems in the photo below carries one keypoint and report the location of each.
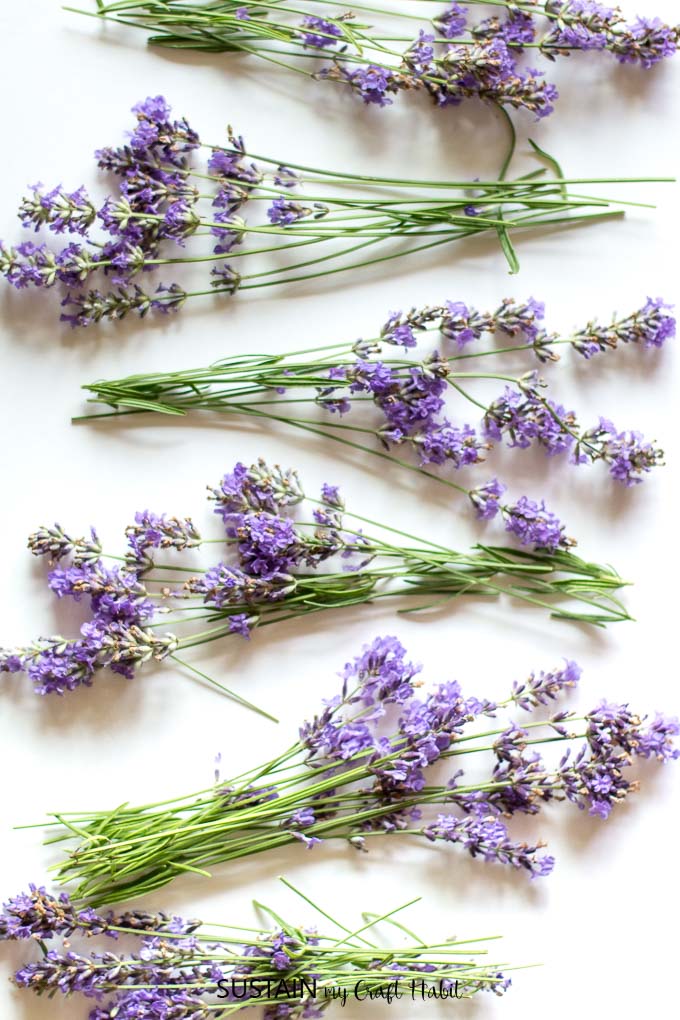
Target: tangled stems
(353, 775)
(189, 970)
(334, 220)
(441, 51)
(409, 390)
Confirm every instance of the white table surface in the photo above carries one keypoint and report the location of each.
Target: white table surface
(604, 924)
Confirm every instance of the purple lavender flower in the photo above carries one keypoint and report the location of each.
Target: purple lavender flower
(330, 494)
(241, 623)
(57, 666)
(227, 585)
(225, 280)
(39, 915)
(524, 418)
(484, 835)
(59, 210)
(513, 318)
(92, 307)
(419, 56)
(381, 673)
(443, 443)
(161, 1004)
(656, 741)
(373, 84)
(596, 782)
(654, 327)
(319, 33)
(463, 325)
(333, 740)
(397, 332)
(627, 454)
(415, 401)
(268, 544)
(300, 819)
(486, 499)
(154, 531)
(451, 22)
(283, 212)
(56, 544)
(648, 327)
(534, 524)
(10, 661)
(258, 487)
(518, 29)
(583, 25)
(545, 687)
(647, 41)
(113, 594)
(612, 725)
(157, 137)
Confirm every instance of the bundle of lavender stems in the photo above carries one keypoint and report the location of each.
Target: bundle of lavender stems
(282, 566)
(317, 389)
(187, 970)
(306, 223)
(452, 53)
(382, 759)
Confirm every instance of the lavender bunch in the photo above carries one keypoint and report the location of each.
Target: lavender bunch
(454, 56)
(188, 970)
(362, 768)
(340, 221)
(278, 564)
(408, 388)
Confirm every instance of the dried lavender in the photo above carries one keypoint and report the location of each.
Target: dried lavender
(167, 214)
(354, 775)
(196, 971)
(409, 389)
(279, 564)
(454, 56)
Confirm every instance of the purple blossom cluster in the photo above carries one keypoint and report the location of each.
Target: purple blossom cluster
(280, 545)
(350, 730)
(410, 400)
(650, 326)
(171, 973)
(168, 955)
(117, 634)
(155, 205)
(524, 417)
(38, 915)
(590, 25)
(319, 32)
(411, 396)
(256, 504)
(457, 60)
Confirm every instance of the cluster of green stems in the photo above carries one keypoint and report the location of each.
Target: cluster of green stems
(408, 216)
(130, 851)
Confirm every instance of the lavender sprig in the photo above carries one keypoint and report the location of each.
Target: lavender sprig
(297, 215)
(409, 389)
(284, 557)
(354, 775)
(452, 57)
(188, 970)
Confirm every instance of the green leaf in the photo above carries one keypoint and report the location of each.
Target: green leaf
(552, 162)
(508, 250)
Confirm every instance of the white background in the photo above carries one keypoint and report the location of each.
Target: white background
(603, 925)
